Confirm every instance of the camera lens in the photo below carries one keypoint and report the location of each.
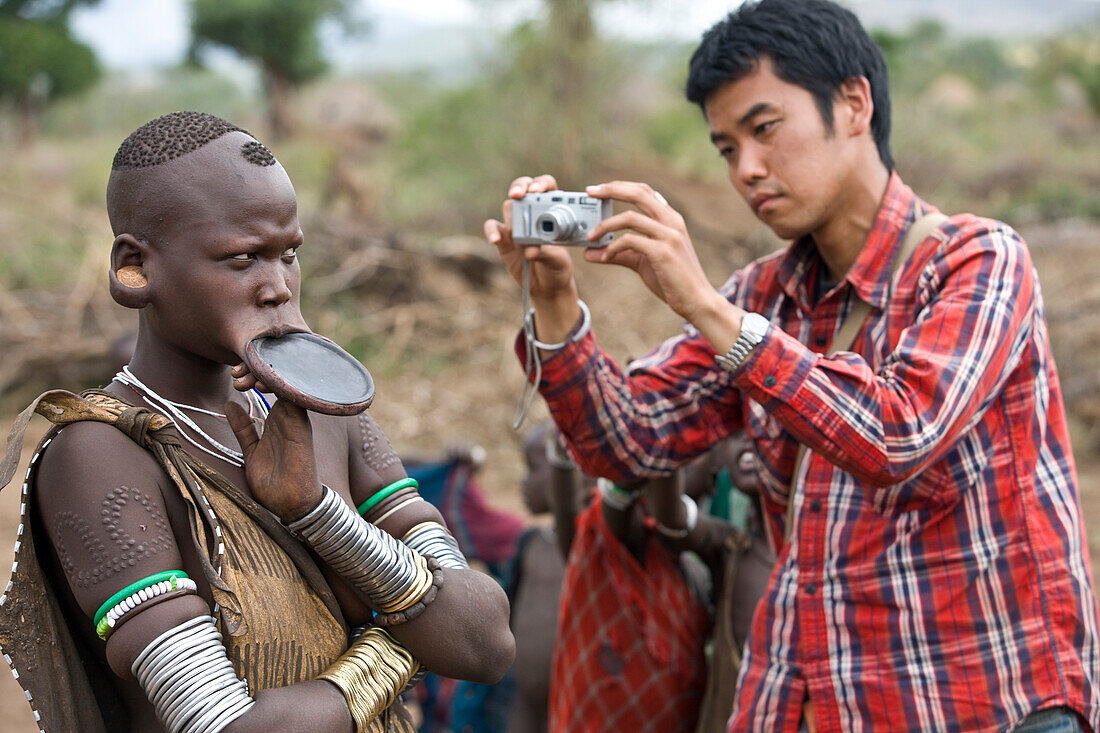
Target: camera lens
(557, 224)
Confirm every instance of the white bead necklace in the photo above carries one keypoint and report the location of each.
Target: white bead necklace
(174, 411)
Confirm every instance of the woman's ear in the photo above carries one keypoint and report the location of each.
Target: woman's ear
(129, 286)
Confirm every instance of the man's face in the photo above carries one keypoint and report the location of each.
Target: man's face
(780, 156)
(224, 268)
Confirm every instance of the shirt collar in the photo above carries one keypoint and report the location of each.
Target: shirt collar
(870, 273)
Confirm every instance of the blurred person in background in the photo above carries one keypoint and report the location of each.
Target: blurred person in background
(632, 628)
(893, 370)
(740, 563)
(488, 536)
(643, 568)
(535, 583)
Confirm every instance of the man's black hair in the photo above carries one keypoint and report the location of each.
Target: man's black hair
(177, 134)
(815, 44)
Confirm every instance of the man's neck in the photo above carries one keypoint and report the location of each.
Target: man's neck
(842, 237)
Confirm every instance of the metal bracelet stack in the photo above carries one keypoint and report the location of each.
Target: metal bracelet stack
(371, 674)
(432, 538)
(691, 518)
(390, 574)
(616, 497)
(188, 677)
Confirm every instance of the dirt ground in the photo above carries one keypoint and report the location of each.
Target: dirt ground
(473, 397)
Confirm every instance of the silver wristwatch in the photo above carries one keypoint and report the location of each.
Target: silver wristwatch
(753, 328)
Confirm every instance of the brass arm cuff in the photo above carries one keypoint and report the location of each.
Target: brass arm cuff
(371, 674)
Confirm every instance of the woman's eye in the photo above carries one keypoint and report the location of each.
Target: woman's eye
(765, 127)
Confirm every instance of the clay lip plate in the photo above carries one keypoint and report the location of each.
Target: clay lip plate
(312, 372)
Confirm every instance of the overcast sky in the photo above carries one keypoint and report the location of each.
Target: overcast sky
(150, 34)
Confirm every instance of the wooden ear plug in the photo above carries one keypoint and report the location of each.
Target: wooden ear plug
(131, 276)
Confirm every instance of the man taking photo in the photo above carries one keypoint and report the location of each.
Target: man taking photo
(915, 465)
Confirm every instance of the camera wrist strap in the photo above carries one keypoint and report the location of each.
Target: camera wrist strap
(532, 363)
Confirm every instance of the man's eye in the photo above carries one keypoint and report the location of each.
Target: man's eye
(727, 152)
(765, 127)
(242, 257)
(290, 253)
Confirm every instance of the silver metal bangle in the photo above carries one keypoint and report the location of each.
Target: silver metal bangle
(690, 520)
(373, 561)
(187, 675)
(421, 673)
(144, 660)
(615, 497)
(433, 539)
(390, 512)
(178, 674)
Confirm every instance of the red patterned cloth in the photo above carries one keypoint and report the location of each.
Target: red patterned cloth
(629, 654)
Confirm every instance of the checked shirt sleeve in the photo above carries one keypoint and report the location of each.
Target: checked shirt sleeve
(645, 423)
(962, 326)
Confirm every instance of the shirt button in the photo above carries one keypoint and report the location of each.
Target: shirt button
(811, 589)
(815, 506)
(769, 381)
(821, 340)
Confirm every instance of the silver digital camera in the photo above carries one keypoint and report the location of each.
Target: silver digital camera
(559, 217)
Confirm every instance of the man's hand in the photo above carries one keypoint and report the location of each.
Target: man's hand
(279, 466)
(656, 245)
(553, 291)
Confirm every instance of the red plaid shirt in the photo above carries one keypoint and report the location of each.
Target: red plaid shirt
(629, 650)
(937, 576)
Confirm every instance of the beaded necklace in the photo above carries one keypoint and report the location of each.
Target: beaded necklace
(175, 412)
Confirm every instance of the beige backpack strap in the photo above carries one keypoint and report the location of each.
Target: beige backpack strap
(919, 231)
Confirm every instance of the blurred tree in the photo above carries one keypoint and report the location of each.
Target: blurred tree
(553, 74)
(279, 35)
(39, 58)
(572, 32)
(1076, 56)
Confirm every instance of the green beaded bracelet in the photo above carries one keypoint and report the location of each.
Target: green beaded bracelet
(129, 590)
(381, 494)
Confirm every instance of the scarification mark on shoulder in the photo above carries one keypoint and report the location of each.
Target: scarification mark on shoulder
(377, 451)
(96, 561)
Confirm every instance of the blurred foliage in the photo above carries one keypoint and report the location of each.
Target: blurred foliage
(1004, 127)
(39, 59)
(516, 117)
(1076, 56)
(41, 9)
(1007, 128)
(281, 36)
